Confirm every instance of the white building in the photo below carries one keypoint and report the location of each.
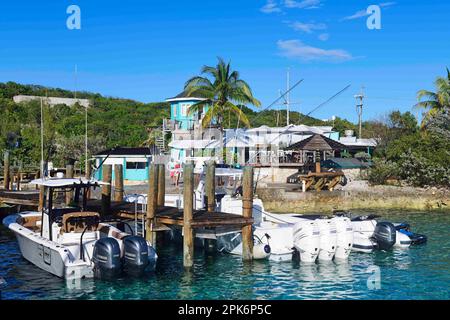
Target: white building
(53, 101)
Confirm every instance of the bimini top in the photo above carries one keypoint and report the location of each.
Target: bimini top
(66, 182)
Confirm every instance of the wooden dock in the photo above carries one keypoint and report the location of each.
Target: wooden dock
(157, 216)
(21, 198)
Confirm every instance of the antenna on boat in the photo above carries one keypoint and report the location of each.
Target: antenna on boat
(42, 140)
(86, 161)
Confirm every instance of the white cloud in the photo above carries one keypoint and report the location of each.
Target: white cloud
(296, 49)
(356, 15)
(363, 13)
(270, 7)
(307, 27)
(324, 37)
(303, 4)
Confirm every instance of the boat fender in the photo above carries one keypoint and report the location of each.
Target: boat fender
(261, 251)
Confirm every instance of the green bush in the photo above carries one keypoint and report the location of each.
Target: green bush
(381, 171)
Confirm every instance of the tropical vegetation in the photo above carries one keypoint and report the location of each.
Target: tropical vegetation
(224, 93)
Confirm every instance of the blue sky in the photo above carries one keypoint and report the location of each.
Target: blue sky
(147, 49)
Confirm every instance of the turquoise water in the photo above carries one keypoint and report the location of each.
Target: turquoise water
(421, 272)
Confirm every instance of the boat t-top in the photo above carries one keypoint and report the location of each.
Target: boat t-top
(72, 242)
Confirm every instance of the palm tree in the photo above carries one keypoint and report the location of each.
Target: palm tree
(224, 93)
(436, 101)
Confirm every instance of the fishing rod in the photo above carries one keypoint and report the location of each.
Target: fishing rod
(278, 99)
(328, 101)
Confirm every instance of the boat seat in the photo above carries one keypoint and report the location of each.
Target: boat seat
(79, 221)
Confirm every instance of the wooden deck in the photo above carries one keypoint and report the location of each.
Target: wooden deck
(24, 198)
(125, 210)
(174, 216)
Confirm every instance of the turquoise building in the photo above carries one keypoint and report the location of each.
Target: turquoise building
(135, 162)
(179, 107)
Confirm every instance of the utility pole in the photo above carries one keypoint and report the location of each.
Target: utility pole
(359, 109)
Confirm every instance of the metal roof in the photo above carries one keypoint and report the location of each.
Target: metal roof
(129, 151)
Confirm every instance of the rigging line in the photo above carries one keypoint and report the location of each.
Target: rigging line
(327, 101)
(278, 99)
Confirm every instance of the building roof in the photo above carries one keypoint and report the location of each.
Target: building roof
(317, 142)
(65, 182)
(129, 151)
(354, 142)
(183, 96)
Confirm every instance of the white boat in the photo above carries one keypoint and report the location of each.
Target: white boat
(72, 243)
(370, 234)
(275, 238)
(330, 237)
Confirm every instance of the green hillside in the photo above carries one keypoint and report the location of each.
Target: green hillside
(112, 122)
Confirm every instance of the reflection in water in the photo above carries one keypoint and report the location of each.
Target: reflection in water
(222, 276)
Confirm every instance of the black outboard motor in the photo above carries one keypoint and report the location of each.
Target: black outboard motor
(385, 235)
(135, 258)
(106, 258)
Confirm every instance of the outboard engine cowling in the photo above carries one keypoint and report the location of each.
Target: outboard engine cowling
(135, 257)
(385, 235)
(106, 258)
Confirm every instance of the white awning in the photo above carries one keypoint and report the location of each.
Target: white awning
(190, 144)
(65, 182)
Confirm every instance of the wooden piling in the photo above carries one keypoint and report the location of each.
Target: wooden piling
(11, 179)
(69, 175)
(106, 189)
(41, 198)
(118, 182)
(19, 178)
(318, 169)
(152, 196)
(188, 211)
(87, 174)
(6, 177)
(87, 170)
(247, 209)
(210, 186)
(161, 185)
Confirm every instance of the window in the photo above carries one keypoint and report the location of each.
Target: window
(136, 165)
(175, 110)
(185, 108)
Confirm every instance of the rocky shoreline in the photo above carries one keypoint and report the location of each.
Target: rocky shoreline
(356, 195)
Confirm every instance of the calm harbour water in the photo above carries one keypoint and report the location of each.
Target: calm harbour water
(420, 272)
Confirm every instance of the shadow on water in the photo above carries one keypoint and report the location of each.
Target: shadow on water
(420, 272)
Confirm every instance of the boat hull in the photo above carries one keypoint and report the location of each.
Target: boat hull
(47, 255)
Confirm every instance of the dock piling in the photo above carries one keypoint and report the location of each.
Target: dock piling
(161, 185)
(88, 170)
(247, 209)
(118, 182)
(210, 186)
(188, 199)
(151, 203)
(87, 174)
(6, 177)
(69, 175)
(106, 189)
